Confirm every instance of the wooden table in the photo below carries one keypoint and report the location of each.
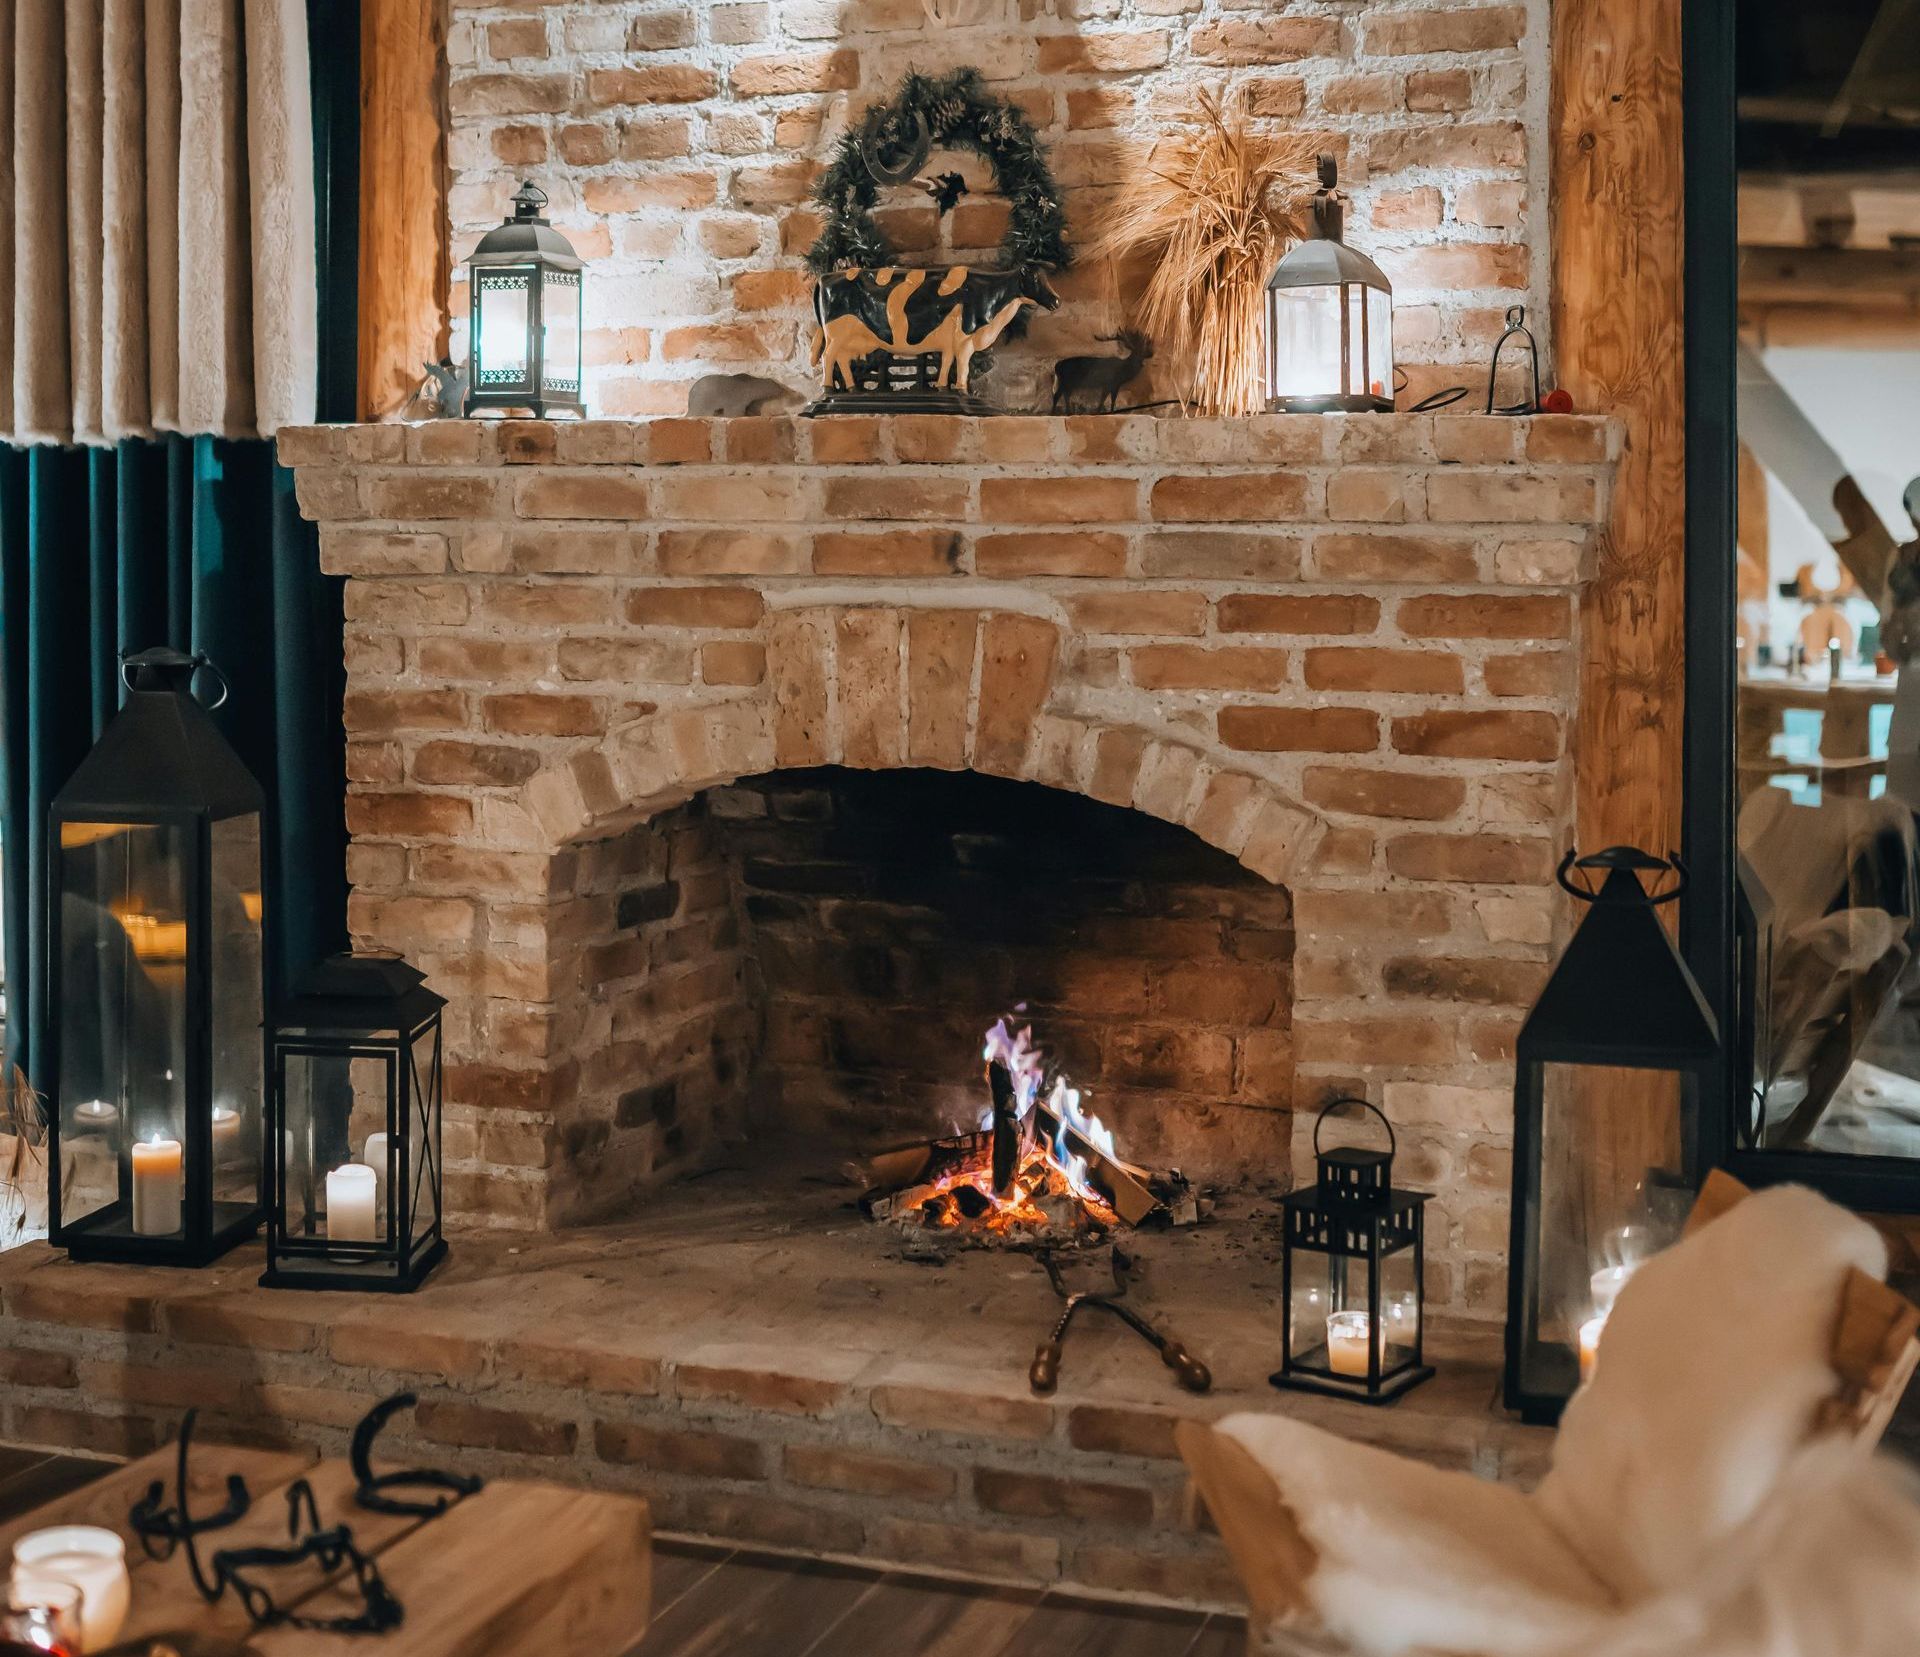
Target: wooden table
(518, 1569)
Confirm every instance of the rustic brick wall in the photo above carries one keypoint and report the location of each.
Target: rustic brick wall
(1338, 649)
(679, 142)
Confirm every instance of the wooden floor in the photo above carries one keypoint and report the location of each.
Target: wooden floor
(719, 1602)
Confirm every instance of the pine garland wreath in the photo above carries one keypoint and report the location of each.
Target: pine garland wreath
(961, 114)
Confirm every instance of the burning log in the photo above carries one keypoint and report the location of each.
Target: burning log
(1006, 1126)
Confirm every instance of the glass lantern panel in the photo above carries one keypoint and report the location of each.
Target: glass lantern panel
(1615, 1189)
(1379, 343)
(560, 314)
(424, 1172)
(337, 1116)
(501, 308)
(1332, 1323)
(1354, 374)
(235, 912)
(1304, 343)
(123, 1017)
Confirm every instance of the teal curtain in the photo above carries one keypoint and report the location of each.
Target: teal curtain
(193, 542)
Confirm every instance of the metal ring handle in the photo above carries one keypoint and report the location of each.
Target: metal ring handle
(205, 663)
(1586, 894)
(1393, 1145)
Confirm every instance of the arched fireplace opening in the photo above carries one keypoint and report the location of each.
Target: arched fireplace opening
(800, 969)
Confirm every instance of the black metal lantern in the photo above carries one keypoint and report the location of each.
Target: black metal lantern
(1352, 1272)
(1619, 1044)
(353, 1131)
(1329, 320)
(526, 326)
(155, 968)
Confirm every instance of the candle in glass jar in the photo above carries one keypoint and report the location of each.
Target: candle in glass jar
(158, 1185)
(1349, 1335)
(350, 1204)
(1590, 1344)
(86, 1557)
(94, 1116)
(1607, 1284)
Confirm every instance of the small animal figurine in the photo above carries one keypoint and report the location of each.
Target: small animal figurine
(1092, 385)
(443, 393)
(729, 396)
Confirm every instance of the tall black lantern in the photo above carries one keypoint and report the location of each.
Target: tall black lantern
(155, 972)
(1619, 1044)
(1329, 320)
(1352, 1269)
(354, 1131)
(526, 326)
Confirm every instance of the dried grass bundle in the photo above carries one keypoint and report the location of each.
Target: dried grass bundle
(22, 1130)
(1214, 211)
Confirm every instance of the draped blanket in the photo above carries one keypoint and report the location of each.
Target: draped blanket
(156, 178)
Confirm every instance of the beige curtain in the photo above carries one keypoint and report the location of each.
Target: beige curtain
(156, 175)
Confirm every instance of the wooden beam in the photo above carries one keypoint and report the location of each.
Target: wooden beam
(403, 220)
(1868, 278)
(1617, 263)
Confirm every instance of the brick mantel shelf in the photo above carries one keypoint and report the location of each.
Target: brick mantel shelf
(1340, 648)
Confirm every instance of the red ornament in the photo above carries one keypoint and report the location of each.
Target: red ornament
(1557, 401)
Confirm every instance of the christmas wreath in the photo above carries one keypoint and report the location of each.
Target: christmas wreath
(954, 111)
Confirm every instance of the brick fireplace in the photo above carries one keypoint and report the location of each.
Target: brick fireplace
(613, 688)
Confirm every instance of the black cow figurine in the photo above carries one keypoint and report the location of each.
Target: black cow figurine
(1092, 385)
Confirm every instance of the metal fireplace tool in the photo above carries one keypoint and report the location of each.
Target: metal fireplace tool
(1044, 1375)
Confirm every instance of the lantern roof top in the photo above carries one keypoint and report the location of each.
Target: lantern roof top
(161, 755)
(1321, 263)
(526, 238)
(1621, 993)
(360, 992)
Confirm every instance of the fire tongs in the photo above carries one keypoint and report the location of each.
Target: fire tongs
(1044, 1375)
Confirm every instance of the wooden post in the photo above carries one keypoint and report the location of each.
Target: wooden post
(1617, 303)
(403, 220)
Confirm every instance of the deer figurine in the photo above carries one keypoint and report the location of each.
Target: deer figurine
(1092, 385)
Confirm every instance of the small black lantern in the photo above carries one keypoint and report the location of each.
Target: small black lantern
(1352, 1273)
(354, 1129)
(1621, 1041)
(525, 321)
(155, 972)
(1329, 320)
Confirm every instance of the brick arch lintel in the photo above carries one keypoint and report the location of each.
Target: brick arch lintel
(877, 687)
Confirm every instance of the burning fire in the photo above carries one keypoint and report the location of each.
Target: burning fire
(1039, 1161)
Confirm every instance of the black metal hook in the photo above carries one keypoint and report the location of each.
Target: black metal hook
(370, 1487)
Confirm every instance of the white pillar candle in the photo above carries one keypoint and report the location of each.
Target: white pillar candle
(374, 1155)
(159, 1182)
(1349, 1335)
(350, 1210)
(88, 1558)
(1590, 1344)
(226, 1133)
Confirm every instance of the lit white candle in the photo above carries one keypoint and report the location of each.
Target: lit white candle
(1590, 1344)
(1349, 1335)
(94, 1116)
(226, 1134)
(374, 1155)
(87, 1558)
(159, 1172)
(350, 1207)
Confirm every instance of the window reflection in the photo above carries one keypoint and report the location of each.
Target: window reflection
(1828, 586)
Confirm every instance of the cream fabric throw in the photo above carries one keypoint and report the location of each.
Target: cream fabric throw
(156, 176)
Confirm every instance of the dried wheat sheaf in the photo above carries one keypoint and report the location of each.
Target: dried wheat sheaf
(1214, 210)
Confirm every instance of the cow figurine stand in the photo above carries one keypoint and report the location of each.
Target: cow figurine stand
(899, 339)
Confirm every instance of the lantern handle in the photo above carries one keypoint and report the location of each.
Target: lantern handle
(1630, 858)
(1393, 1145)
(134, 662)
